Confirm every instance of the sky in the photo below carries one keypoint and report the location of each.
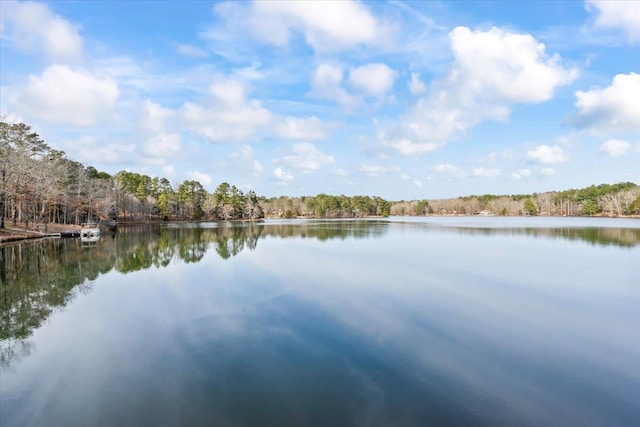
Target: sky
(400, 99)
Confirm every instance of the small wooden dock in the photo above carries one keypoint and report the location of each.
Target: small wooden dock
(16, 235)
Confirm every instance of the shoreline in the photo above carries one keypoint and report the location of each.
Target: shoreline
(14, 234)
(11, 234)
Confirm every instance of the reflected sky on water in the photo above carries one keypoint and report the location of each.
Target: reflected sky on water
(402, 322)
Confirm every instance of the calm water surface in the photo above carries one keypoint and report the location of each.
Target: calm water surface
(407, 322)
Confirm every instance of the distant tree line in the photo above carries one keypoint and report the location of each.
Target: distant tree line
(605, 199)
(326, 206)
(40, 185)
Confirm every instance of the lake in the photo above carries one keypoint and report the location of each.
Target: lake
(403, 322)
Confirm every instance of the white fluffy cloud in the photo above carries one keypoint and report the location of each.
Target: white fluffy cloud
(491, 70)
(326, 25)
(106, 153)
(407, 147)
(326, 83)
(435, 120)
(548, 171)
(374, 79)
(521, 173)
(306, 157)
(301, 128)
(66, 95)
(201, 177)
(228, 114)
(615, 107)
(228, 93)
(163, 146)
(615, 147)
(154, 118)
(417, 86)
(496, 65)
(97, 150)
(283, 176)
(32, 26)
(327, 75)
(545, 154)
(624, 15)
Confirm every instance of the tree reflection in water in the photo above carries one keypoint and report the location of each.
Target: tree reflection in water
(37, 278)
(622, 237)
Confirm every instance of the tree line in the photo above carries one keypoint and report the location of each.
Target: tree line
(40, 185)
(140, 197)
(604, 199)
(326, 206)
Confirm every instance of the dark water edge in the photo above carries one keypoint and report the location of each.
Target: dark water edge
(310, 357)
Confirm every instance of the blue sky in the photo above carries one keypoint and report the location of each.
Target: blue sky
(406, 100)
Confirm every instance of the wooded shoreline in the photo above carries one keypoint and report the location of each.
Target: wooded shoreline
(41, 190)
(10, 235)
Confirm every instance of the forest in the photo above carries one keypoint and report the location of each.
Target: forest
(39, 185)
